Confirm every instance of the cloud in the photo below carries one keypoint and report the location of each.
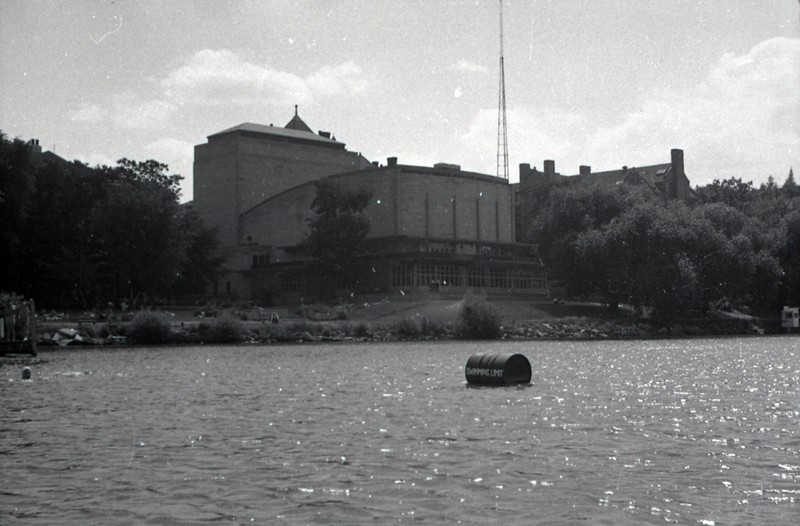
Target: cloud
(534, 134)
(131, 113)
(88, 113)
(179, 155)
(468, 67)
(220, 77)
(333, 80)
(97, 159)
(743, 120)
(126, 111)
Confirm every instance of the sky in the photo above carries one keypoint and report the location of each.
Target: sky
(603, 83)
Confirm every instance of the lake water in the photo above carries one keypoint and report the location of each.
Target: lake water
(636, 432)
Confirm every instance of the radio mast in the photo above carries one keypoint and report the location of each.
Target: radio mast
(502, 129)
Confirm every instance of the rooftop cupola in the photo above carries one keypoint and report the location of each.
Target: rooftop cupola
(297, 123)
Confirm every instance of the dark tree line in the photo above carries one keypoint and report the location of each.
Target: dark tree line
(734, 243)
(72, 235)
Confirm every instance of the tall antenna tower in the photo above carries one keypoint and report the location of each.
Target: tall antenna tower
(502, 128)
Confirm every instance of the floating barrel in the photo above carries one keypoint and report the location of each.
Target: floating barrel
(498, 369)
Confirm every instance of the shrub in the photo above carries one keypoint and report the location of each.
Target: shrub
(225, 328)
(149, 327)
(432, 328)
(360, 330)
(406, 328)
(478, 320)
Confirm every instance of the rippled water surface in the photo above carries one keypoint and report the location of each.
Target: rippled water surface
(680, 431)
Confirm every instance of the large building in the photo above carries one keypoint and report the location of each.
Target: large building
(439, 227)
(667, 179)
(434, 227)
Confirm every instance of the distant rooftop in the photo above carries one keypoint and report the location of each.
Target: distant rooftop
(295, 131)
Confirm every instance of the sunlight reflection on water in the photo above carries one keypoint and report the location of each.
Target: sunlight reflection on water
(687, 431)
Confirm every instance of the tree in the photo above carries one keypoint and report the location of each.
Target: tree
(138, 230)
(790, 186)
(202, 263)
(16, 195)
(337, 235)
(733, 192)
(569, 212)
(641, 257)
(152, 173)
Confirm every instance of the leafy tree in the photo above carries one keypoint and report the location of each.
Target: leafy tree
(790, 186)
(337, 234)
(733, 192)
(61, 261)
(641, 257)
(569, 212)
(789, 257)
(16, 194)
(74, 235)
(138, 230)
(202, 263)
(152, 173)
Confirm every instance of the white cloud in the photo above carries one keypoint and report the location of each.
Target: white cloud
(131, 113)
(333, 80)
(533, 135)
(468, 67)
(179, 155)
(220, 77)
(88, 113)
(743, 121)
(97, 159)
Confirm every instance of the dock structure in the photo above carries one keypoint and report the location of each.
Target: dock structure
(18, 327)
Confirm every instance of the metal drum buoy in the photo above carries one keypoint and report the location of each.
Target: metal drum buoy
(498, 369)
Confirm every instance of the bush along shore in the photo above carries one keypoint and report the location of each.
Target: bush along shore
(476, 320)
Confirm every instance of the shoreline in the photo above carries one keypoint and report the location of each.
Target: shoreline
(53, 335)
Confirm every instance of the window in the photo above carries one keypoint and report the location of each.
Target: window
(476, 277)
(260, 260)
(403, 276)
(500, 279)
(290, 283)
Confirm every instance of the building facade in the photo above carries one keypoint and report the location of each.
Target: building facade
(668, 179)
(431, 228)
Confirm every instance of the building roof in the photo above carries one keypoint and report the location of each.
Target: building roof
(280, 133)
(651, 175)
(297, 123)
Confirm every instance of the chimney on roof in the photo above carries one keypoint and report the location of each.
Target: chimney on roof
(295, 110)
(549, 168)
(624, 168)
(391, 161)
(325, 134)
(585, 170)
(524, 172)
(677, 161)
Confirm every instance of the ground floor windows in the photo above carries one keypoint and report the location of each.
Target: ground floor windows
(409, 275)
(290, 283)
(403, 276)
(437, 275)
(476, 277)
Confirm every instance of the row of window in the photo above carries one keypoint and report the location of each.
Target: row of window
(430, 275)
(422, 275)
